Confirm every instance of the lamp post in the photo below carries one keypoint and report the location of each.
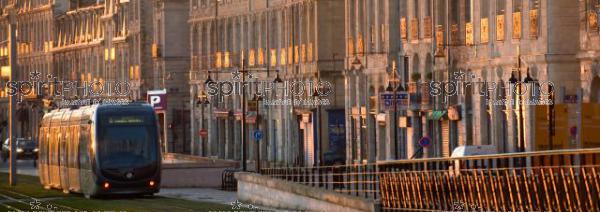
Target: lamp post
(316, 95)
(257, 99)
(518, 82)
(356, 65)
(551, 118)
(12, 30)
(394, 89)
(202, 101)
(276, 82)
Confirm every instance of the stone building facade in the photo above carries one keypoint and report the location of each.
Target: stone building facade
(450, 41)
(171, 64)
(103, 41)
(288, 40)
(590, 51)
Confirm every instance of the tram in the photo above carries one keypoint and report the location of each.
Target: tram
(100, 150)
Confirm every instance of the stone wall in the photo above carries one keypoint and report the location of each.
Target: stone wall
(275, 193)
(184, 171)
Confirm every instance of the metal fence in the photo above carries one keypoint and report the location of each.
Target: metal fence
(356, 180)
(562, 180)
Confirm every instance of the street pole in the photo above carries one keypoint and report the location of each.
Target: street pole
(521, 126)
(551, 119)
(395, 124)
(243, 126)
(257, 124)
(193, 126)
(12, 29)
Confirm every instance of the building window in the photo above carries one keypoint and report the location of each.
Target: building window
(403, 22)
(440, 11)
(517, 19)
(414, 23)
(534, 6)
(500, 19)
(427, 21)
(469, 37)
(592, 7)
(485, 21)
(454, 20)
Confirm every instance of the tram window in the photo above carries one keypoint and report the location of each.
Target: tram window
(126, 145)
(62, 152)
(84, 159)
(53, 150)
(41, 143)
(126, 140)
(44, 147)
(72, 143)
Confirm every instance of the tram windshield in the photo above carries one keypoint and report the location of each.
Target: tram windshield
(126, 141)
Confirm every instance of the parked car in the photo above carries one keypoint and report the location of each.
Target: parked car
(26, 149)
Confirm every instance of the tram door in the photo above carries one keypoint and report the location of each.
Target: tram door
(63, 154)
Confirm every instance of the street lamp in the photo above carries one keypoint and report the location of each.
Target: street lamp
(202, 101)
(356, 64)
(518, 81)
(277, 79)
(209, 80)
(390, 89)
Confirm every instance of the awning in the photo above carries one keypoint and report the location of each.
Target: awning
(437, 115)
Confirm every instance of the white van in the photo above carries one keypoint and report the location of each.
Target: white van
(463, 151)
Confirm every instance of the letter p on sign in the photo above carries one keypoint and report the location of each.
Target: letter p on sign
(155, 100)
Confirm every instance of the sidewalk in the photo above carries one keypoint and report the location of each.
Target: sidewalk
(200, 194)
(207, 195)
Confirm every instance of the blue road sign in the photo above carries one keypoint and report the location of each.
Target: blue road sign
(425, 142)
(258, 135)
(401, 99)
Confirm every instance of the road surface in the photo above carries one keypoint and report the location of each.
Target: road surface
(24, 167)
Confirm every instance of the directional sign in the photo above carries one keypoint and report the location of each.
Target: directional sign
(425, 142)
(258, 135)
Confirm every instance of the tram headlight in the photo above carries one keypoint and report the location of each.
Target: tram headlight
(19, 150)
(151, 183)
(106, 185)
(36, 150)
